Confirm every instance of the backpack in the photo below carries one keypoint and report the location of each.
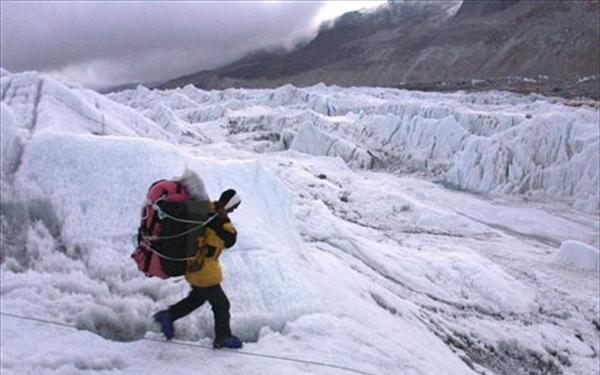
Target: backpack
(170, 226)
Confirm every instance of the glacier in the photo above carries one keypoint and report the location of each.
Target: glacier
(386, 231)
(487, 143)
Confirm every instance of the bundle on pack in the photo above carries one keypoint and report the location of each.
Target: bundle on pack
(172, 222)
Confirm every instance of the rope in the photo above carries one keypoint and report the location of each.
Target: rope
(167, 257)
(197, 346)
(154, 238)
(201, 224)
(162, 214)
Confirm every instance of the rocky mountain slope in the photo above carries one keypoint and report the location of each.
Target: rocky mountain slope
(518, 45)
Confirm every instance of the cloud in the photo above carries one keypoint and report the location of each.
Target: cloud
(104, 43)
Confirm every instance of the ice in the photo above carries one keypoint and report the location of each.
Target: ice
(554, 155)
(579, 255)
(352, 250)
(10, 142)
(313, 141)
(495, 143)
(43, 104)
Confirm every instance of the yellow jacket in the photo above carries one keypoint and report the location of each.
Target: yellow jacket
(205, 270)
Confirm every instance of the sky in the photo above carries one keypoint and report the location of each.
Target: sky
(102, 44)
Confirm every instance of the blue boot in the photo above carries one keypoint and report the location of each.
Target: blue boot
(166, 325)
(230, 342)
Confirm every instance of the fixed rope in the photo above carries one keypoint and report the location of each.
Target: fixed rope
(197, 346)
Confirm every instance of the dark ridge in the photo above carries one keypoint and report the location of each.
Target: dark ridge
(547, 47)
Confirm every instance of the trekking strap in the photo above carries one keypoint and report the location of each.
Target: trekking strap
(201, 224)
(162, 214)
(164, 256)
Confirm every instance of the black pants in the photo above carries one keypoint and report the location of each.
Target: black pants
(218, 301)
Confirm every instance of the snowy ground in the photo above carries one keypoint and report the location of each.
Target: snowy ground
(383, 231)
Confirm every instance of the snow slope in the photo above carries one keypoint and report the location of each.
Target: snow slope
(377, 272)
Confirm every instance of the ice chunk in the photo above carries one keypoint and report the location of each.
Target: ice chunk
(579, 255)
(10, 144)
(313, 141)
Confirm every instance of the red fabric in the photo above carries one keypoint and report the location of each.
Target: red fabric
(168, 190)
(140, 256)
(155, 268)
(148, 263)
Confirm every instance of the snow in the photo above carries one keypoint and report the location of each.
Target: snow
(587, 78)
(354, 248)
(579, 255)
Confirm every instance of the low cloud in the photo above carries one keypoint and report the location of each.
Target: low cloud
(107, 43)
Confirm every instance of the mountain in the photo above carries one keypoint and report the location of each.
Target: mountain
(524, 46)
